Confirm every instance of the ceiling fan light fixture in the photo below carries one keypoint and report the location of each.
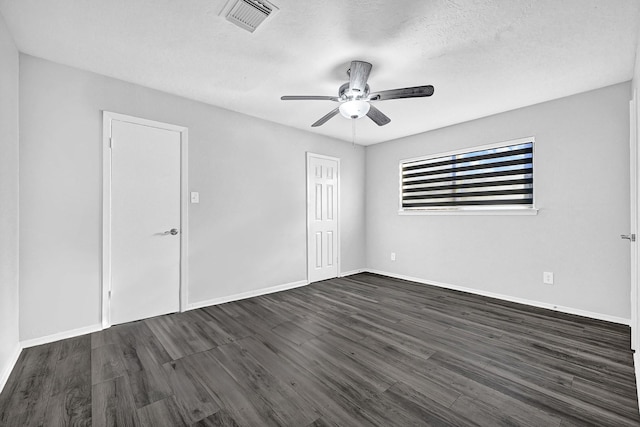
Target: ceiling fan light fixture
(354, 96)
(354, 109)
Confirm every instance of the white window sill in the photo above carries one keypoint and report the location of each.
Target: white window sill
(528, 211)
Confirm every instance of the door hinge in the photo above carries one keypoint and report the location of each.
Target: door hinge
(109, 294)
(110, 142)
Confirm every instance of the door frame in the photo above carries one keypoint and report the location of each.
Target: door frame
(107, 119)
(634, 209)
(309, 155)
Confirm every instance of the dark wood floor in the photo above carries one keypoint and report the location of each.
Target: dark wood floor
(363, 350)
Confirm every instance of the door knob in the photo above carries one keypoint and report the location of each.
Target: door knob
(631, 237)
(173, 231)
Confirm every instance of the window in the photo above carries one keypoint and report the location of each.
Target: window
(494, 177)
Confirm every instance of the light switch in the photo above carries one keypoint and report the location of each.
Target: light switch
(195, 197)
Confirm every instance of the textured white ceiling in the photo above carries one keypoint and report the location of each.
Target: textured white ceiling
(483, 57)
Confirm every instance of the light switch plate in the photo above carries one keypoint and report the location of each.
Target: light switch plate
(195, 197)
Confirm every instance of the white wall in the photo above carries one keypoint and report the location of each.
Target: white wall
(635, 302)
(9, 346)
(247, 233)
(582, 191)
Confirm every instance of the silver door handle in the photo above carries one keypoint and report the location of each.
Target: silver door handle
(173, 231)
(630, 237)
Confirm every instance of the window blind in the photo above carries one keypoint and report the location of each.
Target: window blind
(496, 177)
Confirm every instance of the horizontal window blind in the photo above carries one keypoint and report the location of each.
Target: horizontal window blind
(497, 177)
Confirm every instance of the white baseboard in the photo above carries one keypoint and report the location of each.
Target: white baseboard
(351, 273)
(61, 336)
(568, 310)
(245, 295)
(4, 377)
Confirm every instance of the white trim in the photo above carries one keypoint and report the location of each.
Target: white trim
(562, 309)
(9, 368)
(351, 273)
(338, 204)
(184, 218)
(61, 336)
(248, 294)
(511, 211)
(105, 266)
(107, 119)
(141, 121)
(633, 213)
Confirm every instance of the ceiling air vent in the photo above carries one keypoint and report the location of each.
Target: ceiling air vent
(247, 14)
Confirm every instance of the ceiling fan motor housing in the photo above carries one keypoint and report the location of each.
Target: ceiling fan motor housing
(347, 95)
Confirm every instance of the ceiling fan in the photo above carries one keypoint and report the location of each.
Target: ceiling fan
(356, 100)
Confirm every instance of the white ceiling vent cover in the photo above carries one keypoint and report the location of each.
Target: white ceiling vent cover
(247, 14)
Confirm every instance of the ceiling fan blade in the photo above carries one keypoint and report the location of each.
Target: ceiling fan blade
(406, 92)
(377, 116)
(309, 98)
(325, 118)
(358, 76)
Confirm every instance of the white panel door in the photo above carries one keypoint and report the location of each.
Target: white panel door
(322, 217)
(145, 221)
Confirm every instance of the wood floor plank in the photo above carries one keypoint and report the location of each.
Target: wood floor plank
(162, 413)
(132, 337)
(230, 326)
(70, 403)
(304, 375)
(192, 399)
(392, 371)
(70, 408)
(222, 418)
(481, 413)
(74, 346)
(323, 422)
(28, 397)
(245, 407)
(533, 397)
(104, 337)
(429, 412)
(363, 350)
(73, 372)
(288, 407)
(148, 384)
(254, 306)
(279, 358)
(112, 404)
(106, 363)
(178, 335)
(293, 333)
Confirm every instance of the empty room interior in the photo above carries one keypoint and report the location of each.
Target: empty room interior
(251, 213)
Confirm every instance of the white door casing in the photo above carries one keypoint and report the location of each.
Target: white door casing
(323, 175)
(144, 179)
(634, 200)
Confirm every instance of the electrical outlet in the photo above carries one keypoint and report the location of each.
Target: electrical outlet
(393, 256)
(547, 278)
